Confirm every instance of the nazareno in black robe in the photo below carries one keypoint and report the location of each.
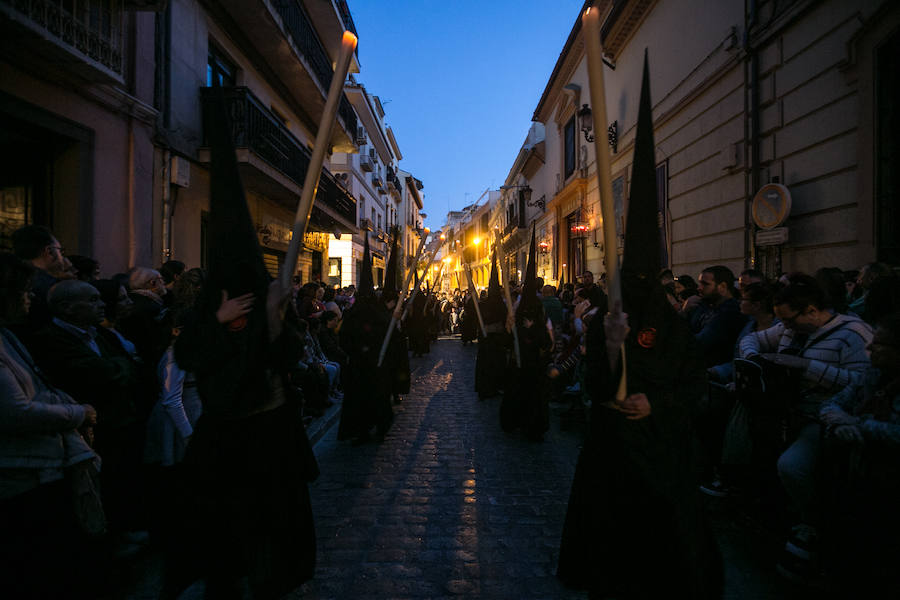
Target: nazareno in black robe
(490, 362)
(249, 461)
(525, 401)
(367, 390)
(634, 526)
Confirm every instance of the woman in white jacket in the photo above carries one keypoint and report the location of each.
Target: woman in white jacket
(42, 455)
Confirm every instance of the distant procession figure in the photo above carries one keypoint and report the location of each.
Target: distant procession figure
(490, 364)
(367, 408)
(525, 403)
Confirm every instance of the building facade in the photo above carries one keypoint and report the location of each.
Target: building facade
(797, 94)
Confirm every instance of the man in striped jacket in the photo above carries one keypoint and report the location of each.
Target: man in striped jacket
(824, 352)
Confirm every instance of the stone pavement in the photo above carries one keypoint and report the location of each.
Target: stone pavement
(449, 505)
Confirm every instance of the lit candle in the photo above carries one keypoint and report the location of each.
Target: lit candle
(323, 142)
(591, 21)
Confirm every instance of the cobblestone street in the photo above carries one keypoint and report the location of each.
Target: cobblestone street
(448, 505)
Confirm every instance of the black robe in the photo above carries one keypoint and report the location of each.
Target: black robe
(468, 326)
(490, 363)
(367, 403)
(634, 526)
(525, 401)
(248, 462)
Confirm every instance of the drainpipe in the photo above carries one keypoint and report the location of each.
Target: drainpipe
(167, 207)
(132, 242)
(751, 129)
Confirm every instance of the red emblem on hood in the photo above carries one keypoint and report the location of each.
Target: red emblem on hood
(646, 337)
(238, 324)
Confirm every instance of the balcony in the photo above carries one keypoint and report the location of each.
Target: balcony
(365, 163)
(366, 225)
(274, 162)
(393, 183)
(81, 37)
(377, 182)
(283, 34)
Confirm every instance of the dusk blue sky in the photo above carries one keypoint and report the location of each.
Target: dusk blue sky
(459, 80)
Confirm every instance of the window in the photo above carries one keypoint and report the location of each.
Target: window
(219, 69)
(569, 147)
(522, 222)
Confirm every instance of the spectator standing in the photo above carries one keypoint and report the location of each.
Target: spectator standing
(553, 308)
(37, 246)
(43, 552)
(88, 362)
(144, 324)
(716, 317)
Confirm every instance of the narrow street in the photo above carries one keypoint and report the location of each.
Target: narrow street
(448, 505)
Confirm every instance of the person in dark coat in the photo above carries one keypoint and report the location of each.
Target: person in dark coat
(89, 363)
(490, 363)
(634, 526)
(525, 402)
(367, 410)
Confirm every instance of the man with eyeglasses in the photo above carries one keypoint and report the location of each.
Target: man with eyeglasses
(35, 244)
(823, 352)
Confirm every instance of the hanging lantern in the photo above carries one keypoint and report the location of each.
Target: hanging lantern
(544, 247)
(580, 229)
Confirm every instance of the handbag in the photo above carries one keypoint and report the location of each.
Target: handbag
(84, 485)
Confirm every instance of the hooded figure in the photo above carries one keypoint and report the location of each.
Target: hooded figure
(396, 359)
(367, 407)
(249, 458)
(634, 527)
(525, 403)
(490, 364)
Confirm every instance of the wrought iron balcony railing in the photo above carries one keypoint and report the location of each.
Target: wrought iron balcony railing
(254, 127)
(93, 28)
(300, 28)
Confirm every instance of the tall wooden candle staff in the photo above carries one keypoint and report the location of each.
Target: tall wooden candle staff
(474, 293)
(395, 316)
(591, 22)
(509, 304)
(323, 140)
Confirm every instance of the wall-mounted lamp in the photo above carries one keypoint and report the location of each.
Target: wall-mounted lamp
(586, 122)
(526, 194)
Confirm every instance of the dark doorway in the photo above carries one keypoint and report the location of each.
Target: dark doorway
(46, 176)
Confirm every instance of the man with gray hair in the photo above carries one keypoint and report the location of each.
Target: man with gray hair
(89, 363)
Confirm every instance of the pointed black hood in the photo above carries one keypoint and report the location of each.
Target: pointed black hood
(365, 288)
(390, 290)
(235, 259)
(642, 239)
(493, 309)
(494, 290)
(529, 286)
(529, 305)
